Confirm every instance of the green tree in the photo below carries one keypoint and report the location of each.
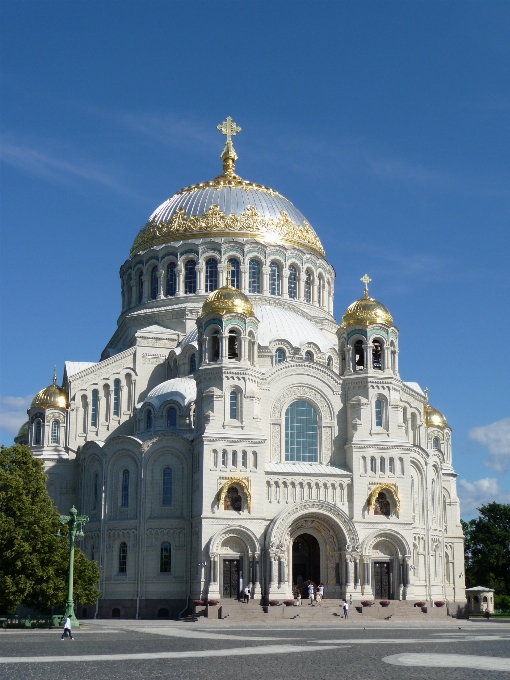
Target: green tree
(487, 548)
(33, 560)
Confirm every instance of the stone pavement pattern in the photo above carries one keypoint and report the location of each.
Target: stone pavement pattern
(288, 649)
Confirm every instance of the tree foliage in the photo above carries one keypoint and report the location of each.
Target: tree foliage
(487, 548)
(34, 561)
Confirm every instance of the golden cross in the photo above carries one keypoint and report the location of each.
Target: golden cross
(229, 269)
(228, 128)
(366, 280)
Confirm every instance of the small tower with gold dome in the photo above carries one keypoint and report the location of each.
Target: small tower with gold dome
(438, 432)
(47, 421)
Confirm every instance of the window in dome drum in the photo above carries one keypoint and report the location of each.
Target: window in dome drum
(308, 286)
(140, 287)
(211, 275)
(254, 276)
(154, 283)
(293, 278)
(190, 278)
(233, 272)
(274, 279)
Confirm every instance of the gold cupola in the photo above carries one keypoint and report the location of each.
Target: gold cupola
(52, 396)
(23, 430)
(228, 206)
(433, 417)
(366, 310)
(227, 300)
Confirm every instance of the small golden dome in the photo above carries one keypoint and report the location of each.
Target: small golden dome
(51, 397)
(227, 300)
(433, 417)
(23, 430)
(366, 310)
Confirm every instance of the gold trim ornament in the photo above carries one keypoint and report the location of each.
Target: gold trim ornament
(377, 489)
(240, 481)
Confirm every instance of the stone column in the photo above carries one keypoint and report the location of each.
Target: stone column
(133, 299)
(179, 283)
(160, 284)
(367, 350)
(348, 359)
(348, 573)
(314, 291)
(200, 279)
(222, 278)
(387, 358)
(356, 572)
(265, 280)
(243, 275)
(244, 348)
(205, 356)
(145, 279)
(223, 347)
(285, 283)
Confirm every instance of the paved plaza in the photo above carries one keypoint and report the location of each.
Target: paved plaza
(153, 649)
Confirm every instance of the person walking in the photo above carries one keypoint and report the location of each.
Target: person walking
(320, 594)
(310, 593)
(247, 595)
(67, 628)
(346, 610)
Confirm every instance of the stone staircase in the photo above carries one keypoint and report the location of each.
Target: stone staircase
(329, 611)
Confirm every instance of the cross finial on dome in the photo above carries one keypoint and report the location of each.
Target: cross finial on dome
(228, 156)
(426, 391)
(54, 375)
(366, 280)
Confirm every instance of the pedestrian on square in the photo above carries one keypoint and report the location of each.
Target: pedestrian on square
(67, 628)
(247, 594)
(346, 610)
(320, 594)
(310, 593)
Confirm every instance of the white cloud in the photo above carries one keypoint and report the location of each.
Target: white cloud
(13, 412)
(496, 439)
(474, 494)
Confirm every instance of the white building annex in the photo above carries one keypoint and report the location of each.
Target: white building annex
(234, 433)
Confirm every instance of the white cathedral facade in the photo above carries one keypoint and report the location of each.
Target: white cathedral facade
(233, 433)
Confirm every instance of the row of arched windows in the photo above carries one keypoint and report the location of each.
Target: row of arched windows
(38, 433)
(377, 355)
(166, 488)
(171, 418)
(134, 293)
(233, 459)
(165, 557)
(111, 403)
(382, 465)
(280, 357)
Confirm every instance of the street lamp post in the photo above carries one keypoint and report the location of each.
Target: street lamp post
(75, 526)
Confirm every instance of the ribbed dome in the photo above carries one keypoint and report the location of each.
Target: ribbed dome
(23, 430)
(367, 311)
(227, 300)
(183, 390)
(434, 418)
(51, 397)
(228, 206)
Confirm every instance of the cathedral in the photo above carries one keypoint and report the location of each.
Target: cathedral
(234, 433)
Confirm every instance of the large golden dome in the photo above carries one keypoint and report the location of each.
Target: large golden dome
(227, 300)
(51, 397)
(366, 311)
(228, 206)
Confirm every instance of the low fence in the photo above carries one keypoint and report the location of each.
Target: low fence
(50, 621)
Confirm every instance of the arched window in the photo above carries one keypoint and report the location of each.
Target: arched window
(116, 397)
(166, 498)
(373, 464)
(234, 459)
(363, 465)
(308, 356)
(148, 419)
(233, 404)
(171, 417)
(55, 432)
(391, 466)
(223, 458)
(122, 559)
(95, 490)
(233, 345)
(93, 408)
(190, 277)
(154, 283)
(435, 443)
(233, 273)
(359, 356)
(382, 464)
(244, 459)
(378, 413)
(214, 343)
(377, 355)
(211, 275)
(233, 500)
(193, 363)
(279, 356)
(165, 560)
(140, 286)
(308, 286)
(38, 433)
(254, 276)
(293, 282)
(274, 279)
(124, 496)
(301, 433)
(171, 279)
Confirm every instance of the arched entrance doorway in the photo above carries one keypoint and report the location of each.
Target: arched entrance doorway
(306, 563)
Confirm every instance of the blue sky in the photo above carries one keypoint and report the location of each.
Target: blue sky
(386, 123)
